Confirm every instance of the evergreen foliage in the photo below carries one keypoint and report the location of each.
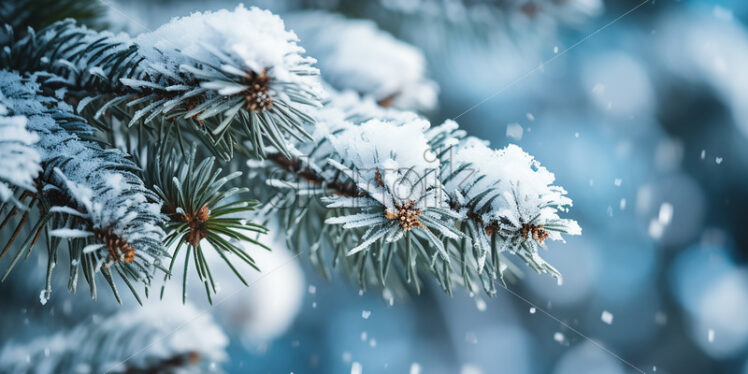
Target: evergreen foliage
(133, 134)
(134, 157)
(154, 339)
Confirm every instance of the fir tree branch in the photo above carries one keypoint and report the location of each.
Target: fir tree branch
(202, 208)
(196, 71)
(356, 55)
(86, 196)
(19, 161)
(153, 339)
(397, 193)
(379, 188)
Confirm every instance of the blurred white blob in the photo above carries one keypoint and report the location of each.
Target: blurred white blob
(713, 291)
(514, 131)
(666, 213)
(709, 48)
(657, 226)
(618, 84)
(587, 358)
(259, 312)
(607, 317)
(266, 308)
(671, 210)
(656, 229)
(721, 313)
(480, 304)
(695, 271)
(356, 368)
(470, 369)
(356, 55)
(722, 13)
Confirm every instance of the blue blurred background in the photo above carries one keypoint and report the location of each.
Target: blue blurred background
(645, 123)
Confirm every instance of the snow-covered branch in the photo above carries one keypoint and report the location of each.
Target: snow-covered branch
(19, 161)
(428, 197)
(229, 75)
(354, 54)
(202, 206)
(152, 339)
(88, 196)
(376, 186)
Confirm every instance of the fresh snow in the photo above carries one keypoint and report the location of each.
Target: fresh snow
(109, 199)
(356, 55)
(514, 131)
(525, 188)
(356, 368)
(559, 337)
(400, 155)
(142, 336)
(254, 38)
(607, 317)
(19, 161)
